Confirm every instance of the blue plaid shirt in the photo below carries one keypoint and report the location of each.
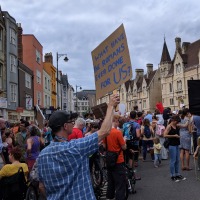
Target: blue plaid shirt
(63, 168)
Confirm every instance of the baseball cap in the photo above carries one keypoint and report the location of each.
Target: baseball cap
(60, 117)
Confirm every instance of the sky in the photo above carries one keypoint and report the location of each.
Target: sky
(77, 27)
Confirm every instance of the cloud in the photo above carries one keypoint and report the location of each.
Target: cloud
(77, 27)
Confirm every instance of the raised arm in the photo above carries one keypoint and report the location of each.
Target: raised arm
(107, 123)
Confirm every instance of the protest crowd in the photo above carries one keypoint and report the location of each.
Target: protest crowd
(69, 157)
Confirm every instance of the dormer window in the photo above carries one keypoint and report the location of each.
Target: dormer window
(179, 85)
(178, 68)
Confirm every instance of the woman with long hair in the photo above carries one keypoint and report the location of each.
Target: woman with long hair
(185, 140)
(172, 134)
(147, 134)
(34, 143)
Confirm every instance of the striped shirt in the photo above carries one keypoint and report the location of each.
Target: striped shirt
(63, 168)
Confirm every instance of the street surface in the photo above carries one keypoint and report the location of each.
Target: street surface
(157, 185)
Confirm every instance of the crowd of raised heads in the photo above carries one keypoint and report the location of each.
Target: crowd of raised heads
(134, 136)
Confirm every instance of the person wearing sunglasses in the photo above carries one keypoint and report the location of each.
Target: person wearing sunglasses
(63, 166)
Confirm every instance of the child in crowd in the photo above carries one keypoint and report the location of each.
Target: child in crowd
(157, 154)
(197, 153)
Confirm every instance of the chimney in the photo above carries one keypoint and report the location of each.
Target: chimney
(48, 58)
(149, 69)
(185, 46)
(178, 43)
(139, 73)
(20, 46)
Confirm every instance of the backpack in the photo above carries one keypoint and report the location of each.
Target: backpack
(132, 132)
(147, 132)
(15, 186)
(160, 130)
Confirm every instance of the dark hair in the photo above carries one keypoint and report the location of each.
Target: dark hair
(95, 125)
(185, 111)
(180, 112)
(133, 114)
(175, 118)
(25, 123)
(146, 122)
(7, 132)
(16, 153)
(33, 131)
(139, 114)
(135, 107)
(156, 140)
(157, 112)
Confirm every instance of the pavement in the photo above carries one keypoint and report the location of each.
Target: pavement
(155, 183)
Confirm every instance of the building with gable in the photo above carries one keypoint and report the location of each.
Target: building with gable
(144, 91)
(176, 72)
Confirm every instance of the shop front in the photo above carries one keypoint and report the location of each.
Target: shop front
(27, 115)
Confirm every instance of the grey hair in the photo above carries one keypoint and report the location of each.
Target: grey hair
(80, 121)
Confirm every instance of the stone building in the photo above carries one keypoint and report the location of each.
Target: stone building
(3, 91)
(176, 72)
(84, 101)
(11, 65)
(144, 91)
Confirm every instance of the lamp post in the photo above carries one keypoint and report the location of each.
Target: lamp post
(77, 86)
(57, 58)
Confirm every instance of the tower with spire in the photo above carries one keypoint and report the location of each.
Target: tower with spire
(165, 62)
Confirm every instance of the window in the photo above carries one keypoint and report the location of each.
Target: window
(171, 101)
(144, 90)
(39, 98)
(13, 67)
(144, 104)
(48, 105)
(64, 93)
(28, 80)
(38, 74)
(45, 82)
(170, 87)
(86, 103)
(179, 85)
(65, 106)
(48, 85)
(1, 76)
(13, 36)
(178, 68)
(1, 39)
(38, 56)
(13, 89)
(46, 102)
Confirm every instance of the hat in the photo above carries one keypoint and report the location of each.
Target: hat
(60, 117)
